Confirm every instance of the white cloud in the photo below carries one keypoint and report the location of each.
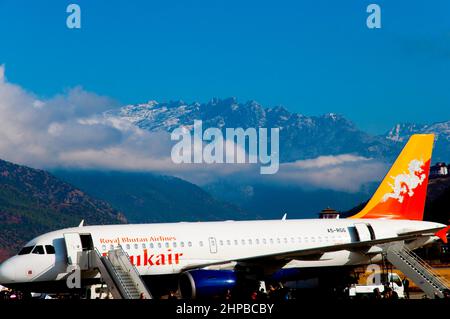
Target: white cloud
(344, 172)
(326, 161)
(53, 132)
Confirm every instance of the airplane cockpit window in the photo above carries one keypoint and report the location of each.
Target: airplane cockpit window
(26, 250)
(50, 249)
(38, 250)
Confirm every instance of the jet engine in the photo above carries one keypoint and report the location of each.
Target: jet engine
(206, 283)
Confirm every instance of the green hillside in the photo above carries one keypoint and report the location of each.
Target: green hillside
(145, 197)
(33, 202)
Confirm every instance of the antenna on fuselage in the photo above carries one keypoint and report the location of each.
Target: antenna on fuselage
(284, 216)
(82, 223)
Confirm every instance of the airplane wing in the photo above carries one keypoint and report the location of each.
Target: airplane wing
(362, 246)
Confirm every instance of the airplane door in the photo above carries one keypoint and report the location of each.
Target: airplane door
(364, 232)
(212, 245)
(73, 247)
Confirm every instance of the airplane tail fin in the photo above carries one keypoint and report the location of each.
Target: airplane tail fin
(402, 193)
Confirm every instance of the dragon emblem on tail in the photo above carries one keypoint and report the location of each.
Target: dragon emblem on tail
(405, 184)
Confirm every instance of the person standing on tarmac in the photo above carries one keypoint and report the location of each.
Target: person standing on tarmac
(405, 282)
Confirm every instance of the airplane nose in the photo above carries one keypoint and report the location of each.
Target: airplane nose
(7, 273)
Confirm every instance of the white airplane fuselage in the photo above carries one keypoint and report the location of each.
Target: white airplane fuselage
(170, 248)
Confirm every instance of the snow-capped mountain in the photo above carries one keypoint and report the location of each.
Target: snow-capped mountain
(156, 116)
(401, 132)
(301, 136)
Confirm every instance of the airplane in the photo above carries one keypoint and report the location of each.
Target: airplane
(211, 257)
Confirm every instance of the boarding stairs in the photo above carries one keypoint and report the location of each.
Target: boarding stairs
(120, 275)
(415, 268)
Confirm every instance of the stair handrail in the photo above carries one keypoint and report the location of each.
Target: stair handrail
(109, 267)
(418, 263)
(442, 281)
(132, 270)
(119, 277)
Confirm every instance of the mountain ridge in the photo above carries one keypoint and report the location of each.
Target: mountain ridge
(147, 197)
(301, 136)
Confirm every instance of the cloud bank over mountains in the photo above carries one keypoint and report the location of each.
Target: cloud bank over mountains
(66, 130)
(70, 131)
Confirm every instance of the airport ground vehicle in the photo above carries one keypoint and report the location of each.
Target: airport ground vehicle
(391, 280)
(99, 291)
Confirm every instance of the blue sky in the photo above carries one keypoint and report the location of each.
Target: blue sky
(310, 56)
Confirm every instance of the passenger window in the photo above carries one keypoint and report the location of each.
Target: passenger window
(50, 249)
(249, 241)
(243, 241)
(257, 241)
(136, 246)
(228, 242)
(235, 242)
(221, 242)
(190, 244)
(38, 250)
(127, 247)
(26, 250)
(201, 244)
(152, 246)
(159, 245)
(285, 240)
(264, 241)
(271, 241)
(104, 247)
(182, 244)
(143, 246)
(166, 244)
(278, 241)
(174, 245)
